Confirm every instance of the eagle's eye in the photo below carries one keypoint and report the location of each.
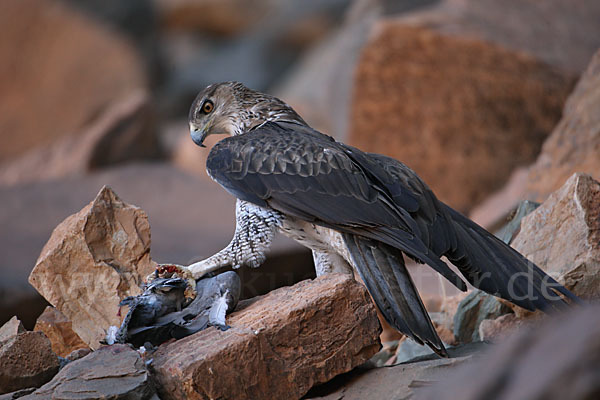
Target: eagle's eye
(207, 107)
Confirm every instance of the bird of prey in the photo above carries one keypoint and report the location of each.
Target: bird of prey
(354, 210)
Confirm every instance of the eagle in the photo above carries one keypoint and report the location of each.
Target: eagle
(356, 211)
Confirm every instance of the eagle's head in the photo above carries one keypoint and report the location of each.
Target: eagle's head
(231, 108)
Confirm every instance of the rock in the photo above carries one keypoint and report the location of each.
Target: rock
(397, 381)
(94, 259)
(482, 109)
(562, 236)
(280, 344)
(58, 329)
(112, 372)
(557, 359)
(473, 309)
(496, 330)
(573, 145)
(409, 349)
(10, 329)
(26, 360)
(125, 131)
(80, 76)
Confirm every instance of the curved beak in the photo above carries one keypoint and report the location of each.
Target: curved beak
(198, 135)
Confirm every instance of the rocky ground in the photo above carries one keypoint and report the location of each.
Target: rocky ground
(490, 103)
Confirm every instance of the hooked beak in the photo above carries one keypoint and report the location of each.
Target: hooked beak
(198, 135)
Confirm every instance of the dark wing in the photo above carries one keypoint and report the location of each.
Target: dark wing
(485, 261)
(301, 172)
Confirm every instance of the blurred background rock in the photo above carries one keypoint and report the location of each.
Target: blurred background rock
(96, 92)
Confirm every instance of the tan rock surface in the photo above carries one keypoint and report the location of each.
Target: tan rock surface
(59, 330)
(125, 131)
(26, 360)
(562, 236)
(51, 83)
(279, 346)
(11, 328)
(463, 113)
(93, 259)
(112, 372)
(496, 330)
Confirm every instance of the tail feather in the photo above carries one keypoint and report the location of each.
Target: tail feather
(382, 269)
(496, 268)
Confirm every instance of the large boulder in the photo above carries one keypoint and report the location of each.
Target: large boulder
(461, 111)
(93, 259)
(51, 83)
(26, 360)
(562, 236)
(113, 372)
(280, 344)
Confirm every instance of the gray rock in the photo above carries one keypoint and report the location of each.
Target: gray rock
(473, 309)
(112, 372)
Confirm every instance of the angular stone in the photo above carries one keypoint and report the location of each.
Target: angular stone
(93, 259)
(26, 360)
(112, 372)
(473, 309)
(125, 131)
(554, 360)
(12, 328)
(59, 330)
(496, 330)
(279, 346)
(80, 76)
(481, 109)
(562, 236)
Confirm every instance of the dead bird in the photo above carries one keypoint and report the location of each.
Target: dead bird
(160, 312)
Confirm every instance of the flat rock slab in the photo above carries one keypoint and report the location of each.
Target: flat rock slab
(279, 346)
(112, 372)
